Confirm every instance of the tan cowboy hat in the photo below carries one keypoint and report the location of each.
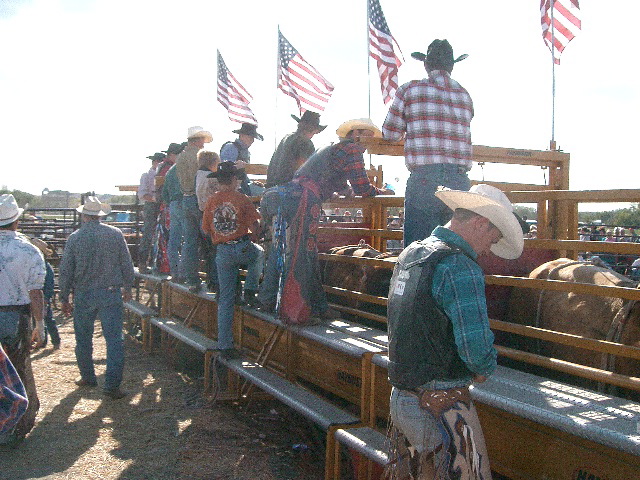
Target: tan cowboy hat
(9, 210)
(358, 124)
(93, 206)
(199, 132)
(42, 246)
(492, 204)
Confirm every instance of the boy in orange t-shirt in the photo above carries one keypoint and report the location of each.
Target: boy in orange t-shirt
(232, 221)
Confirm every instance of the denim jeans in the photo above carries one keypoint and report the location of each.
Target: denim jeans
(151, 210)
(190, 259)
(423, 211)
(105, 304)
(269, 287)
(175, 237)
(50, 327)
(229, 258)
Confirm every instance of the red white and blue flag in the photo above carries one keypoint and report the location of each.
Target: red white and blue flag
(560, 23)
(300, 80)
(381, 49)
(233, 96)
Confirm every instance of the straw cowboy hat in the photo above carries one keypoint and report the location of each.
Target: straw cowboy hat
(492, 204)
(199, 132)
(42, 246)
(93, 206)
(310, 118)
(358, 124)
(9, 210)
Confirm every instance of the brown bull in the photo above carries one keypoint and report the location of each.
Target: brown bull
(359, 278)
(600, 318)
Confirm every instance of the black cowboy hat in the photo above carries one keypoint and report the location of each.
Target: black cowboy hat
(157, 157)
(439, 52)
(174, 148)
(311, 118)
(249, 129)
(226, 169)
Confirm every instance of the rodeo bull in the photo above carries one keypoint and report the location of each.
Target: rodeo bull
(601, 318)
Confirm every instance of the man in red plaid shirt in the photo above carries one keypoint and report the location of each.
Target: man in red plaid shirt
(434, 117)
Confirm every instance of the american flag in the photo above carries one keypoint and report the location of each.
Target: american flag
(566, 23)
(381, 48)
(233, 96)
(300, 80)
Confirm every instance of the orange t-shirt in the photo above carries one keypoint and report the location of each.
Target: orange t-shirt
(228, 216)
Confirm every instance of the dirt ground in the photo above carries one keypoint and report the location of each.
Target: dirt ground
(164, 429)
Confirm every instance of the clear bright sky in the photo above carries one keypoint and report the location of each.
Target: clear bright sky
(89, 88)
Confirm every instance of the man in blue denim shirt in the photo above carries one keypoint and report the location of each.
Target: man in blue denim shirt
(439, 336)
(97, 266)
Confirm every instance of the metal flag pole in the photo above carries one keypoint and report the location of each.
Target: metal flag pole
(275, 117)
(366, 31)
(552, 143)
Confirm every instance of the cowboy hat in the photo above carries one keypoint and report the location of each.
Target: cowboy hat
(492, 204)
(157, 157)
(9, 210)
(199, 132)
(174, 148)
(42, 246)
(93, 206)
(439, 51)
(358, 124)
(310, 118)
(226, 169)
(249, 129)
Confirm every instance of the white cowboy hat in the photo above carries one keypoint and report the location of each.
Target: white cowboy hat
(492, 204)
(358, 124)
(199, 132)
(9, 210)
(93, 206)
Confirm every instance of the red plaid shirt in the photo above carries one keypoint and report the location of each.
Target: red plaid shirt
(434, 115)
(349, 160)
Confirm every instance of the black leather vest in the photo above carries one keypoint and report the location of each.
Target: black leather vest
(421, 341)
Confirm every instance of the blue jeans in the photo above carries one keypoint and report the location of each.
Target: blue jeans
(105, 304)
(422, 210)
(151, 210)
(229, 258)
(190, 259)
(175, 237)
(50, 327)
(269, 287)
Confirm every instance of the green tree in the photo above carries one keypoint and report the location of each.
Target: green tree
(23, 198)
(627, 217)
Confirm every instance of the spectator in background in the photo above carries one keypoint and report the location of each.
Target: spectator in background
(187, 168)
(97, 268)
(147, 195)
(238, 151)
(205, 187)
(294, 149)
(172, 196)
(22, 275)
(161, 260)
(48, 291)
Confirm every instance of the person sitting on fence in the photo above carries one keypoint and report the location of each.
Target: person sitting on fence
(231, 219)
(298, 204)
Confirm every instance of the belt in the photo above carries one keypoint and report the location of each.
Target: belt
(243, 238)
(14, 308)
(461, 169)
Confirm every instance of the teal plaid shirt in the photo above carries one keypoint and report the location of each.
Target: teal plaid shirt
(458, 288)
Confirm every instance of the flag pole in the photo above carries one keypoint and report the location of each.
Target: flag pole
(552, 143)
(275, 117)
(366, 31)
